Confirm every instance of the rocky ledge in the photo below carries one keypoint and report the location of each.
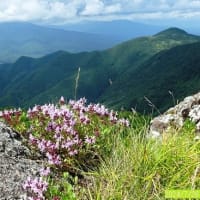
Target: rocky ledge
(15, 164)
(189, 108)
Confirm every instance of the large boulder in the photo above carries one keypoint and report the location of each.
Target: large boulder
(15, 164)
(189, 108)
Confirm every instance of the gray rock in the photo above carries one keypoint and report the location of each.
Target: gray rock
(189, 108)
(15, 164)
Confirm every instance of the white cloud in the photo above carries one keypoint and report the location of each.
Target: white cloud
(69, 10)
(98, 7)
(93, 7)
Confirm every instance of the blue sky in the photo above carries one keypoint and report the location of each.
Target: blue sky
(65, 11)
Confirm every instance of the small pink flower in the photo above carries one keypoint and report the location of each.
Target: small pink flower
(90, 140)
(45, 171)
(37, 186)
(33, 140)
(73, 152)
(53, 159)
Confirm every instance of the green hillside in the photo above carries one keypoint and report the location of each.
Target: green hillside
(174, 71)
(109, 76)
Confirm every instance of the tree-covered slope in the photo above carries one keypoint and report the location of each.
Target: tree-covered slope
(105, 75)
(167, 76)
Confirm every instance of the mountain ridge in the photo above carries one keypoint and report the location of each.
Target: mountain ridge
(172, 30)
(122, 29)
(171, 71)
(26, 39)
(47, 78)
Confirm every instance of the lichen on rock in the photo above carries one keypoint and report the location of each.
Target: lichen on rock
(189, 108)
(15, 164)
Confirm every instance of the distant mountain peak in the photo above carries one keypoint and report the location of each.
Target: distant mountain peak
(172, 31)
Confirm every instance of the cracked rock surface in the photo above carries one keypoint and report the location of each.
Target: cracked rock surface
(189, 108)
(15, 164)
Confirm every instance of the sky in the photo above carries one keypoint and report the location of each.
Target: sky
(70, 11)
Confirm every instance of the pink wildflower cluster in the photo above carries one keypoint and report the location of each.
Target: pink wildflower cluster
(45, 171)
(98, 109)
(61, 132)
(36, 187)
(47, 147)
(9, 114)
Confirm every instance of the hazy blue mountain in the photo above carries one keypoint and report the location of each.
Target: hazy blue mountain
(120, 29)
(25, 39)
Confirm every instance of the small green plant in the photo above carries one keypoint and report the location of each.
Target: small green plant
(141, 168)
(61, 189)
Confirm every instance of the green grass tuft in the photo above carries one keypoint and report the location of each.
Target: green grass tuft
(140, 168)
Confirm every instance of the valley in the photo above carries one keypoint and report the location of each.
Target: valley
(119, 77)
